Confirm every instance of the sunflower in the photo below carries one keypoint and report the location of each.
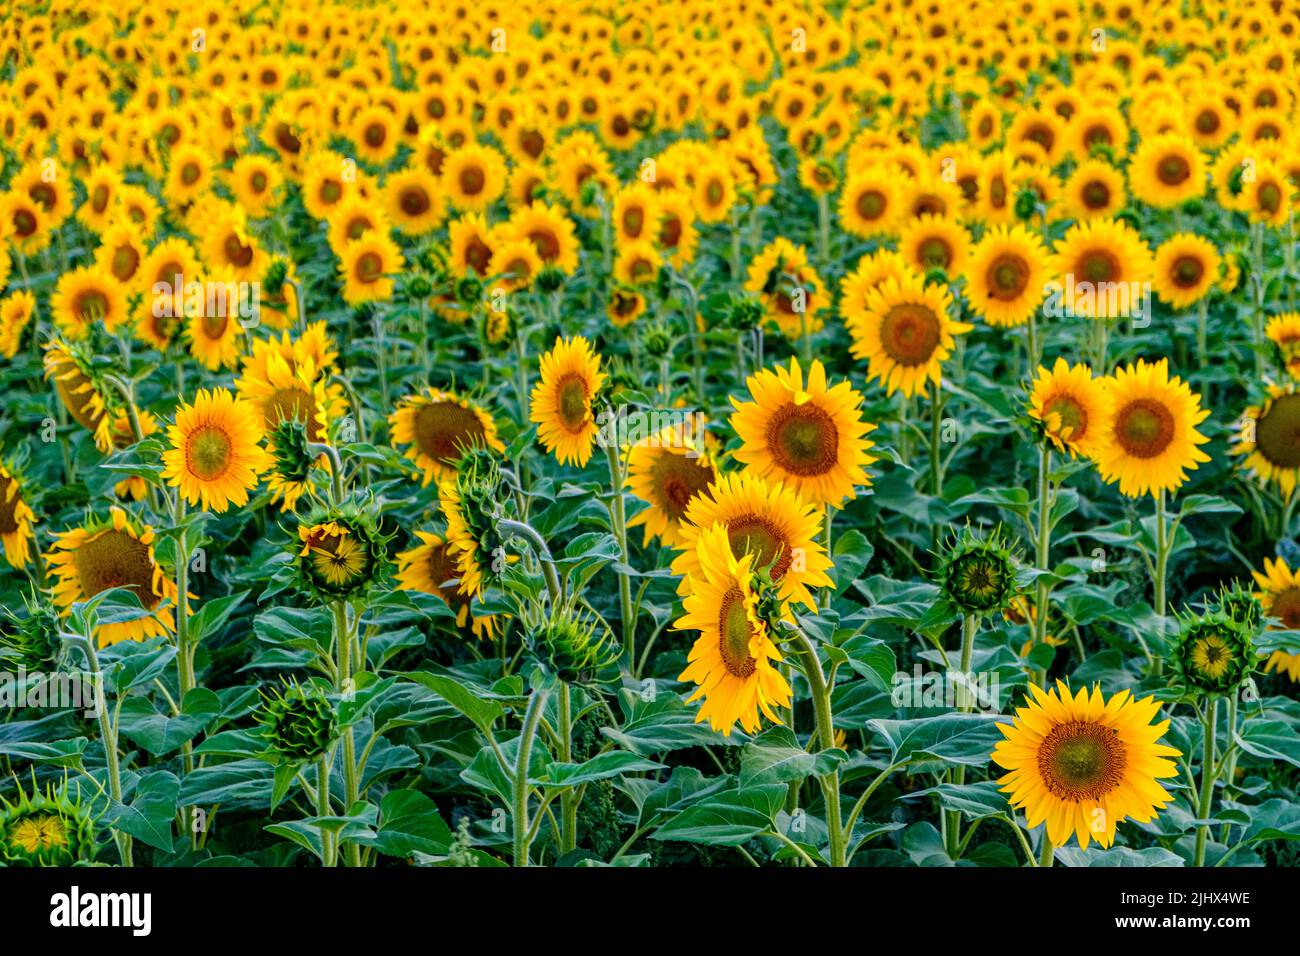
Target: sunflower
(112, 553)
(325, 184)
(1150, 439)
(79, 389)
(229, 247)
(905, 333)
(1072, 406)
(1094, 190)
(102, 185)
(871, 202)
(550, 231)
(216, 454)
(473, 177)
(16, 311)
(668, 471)
(1103, 259)
(341, 553)
(637, 263)
(412, 200)
(1267, 199)
(515, 263)
(430, 568)
(561, 401)
(1167, 171)
(24, 221)
(934, 242)
(676, 235)
(462, 544)
(375, 135)
(791, 291)
(1284, 332)
(625, 306)
(189, 174)
(871, 270)
(121, 253)
(470, 245)
(85, 296)
(1084, 764)
(1270, 438)
(16, 518)
(254, 181)
(213, 324)
(1280, 598)
(807, 435)
(734, 661)
(636, 210)
(714, 192)
(1186, 267)
(1006, 276)
(767, 519)
(367, 265)
(440, 426)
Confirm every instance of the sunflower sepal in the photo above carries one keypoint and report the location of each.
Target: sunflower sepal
(46, 828)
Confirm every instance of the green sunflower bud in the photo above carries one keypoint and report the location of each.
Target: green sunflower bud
(340, 551)
(298, 722)
(1213, 654)
(31, 641)
(745, 313)
(418, 286)
(573, 646)
(978, 575)
(469, 291)
(274, 278)
(550, 280)
(46, 829)
(1026, 204)
(657, 340)
(289, 442)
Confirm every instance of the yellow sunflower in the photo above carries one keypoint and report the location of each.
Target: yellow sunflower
(790, 289)
(934, 242)
(668, 471)
(561, 401)
(1186, 267)
(1007, 275)
(1284, 332)
(367, 266)
(213, 324)
(474, 176)
(85, 296)
(810, 436)
(216, 454)
(905, 333)
(462, 545)
(16, 519)
(1083, 764)
(1150, 439)
(1072, 405)
(1280, 598)
(440, 426)
(16, 311)
(1270, 438)
(79, 390)
(413, 201)
(430, 568)
(1168, 170)
(550, 231)
(871, 202)
(1094, 190)
(113, 553)
(1101, 261)
(734, 661)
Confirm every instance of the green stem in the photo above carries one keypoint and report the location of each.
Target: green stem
(519, 819)
(619, 519)
(830, 783)
(568, 796)
(969, 625)
(936, 420)
(108, 735)
(1207, 780)
(1043, 555)
(1162, 564)
(328, 849)
(344, 644)
(824, 598)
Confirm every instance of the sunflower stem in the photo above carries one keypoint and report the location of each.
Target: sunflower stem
(1202, 332)
(966, 703)
(519, 820)
(346, 687)
(824, 598)
(1047, 851)
(568, 797)
(530, 534)
(108, 735)
(618, 517)
(1043, 556)
(336, 467)
(830, 783)
(936, 422)
(1162, 563)
(329, 852)
(185, 680)
(1207, 780)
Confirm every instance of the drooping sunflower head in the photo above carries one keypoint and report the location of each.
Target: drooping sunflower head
(471, 503)
(1269, 438)
(562, 401)
(978, 572)
(16, 517)
(573, 645)
(49, 828)
(1071, 406)
(734, 659)
(79, 385)
(1083, 763)
(905, 333)
(341, 553)
(290, 477)
(113, 552)
(1213, 653)
(1150, 440)
(805, 433)
(215, 454)
(430, 568)
(299, 723)
(440, 427)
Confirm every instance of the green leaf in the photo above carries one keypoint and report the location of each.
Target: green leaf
(409, 823)
(482, 713)
(971, 800)
(955, 738)
(774, 756)
(152, 811)
(728, 819)
(59, 753)
(1271, 740)
(161, 733)
(612, 763)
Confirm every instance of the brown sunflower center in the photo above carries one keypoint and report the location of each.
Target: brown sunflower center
(870, 204)
(676, 480)
(1286, 608)
(472, 180)
(91, 304)
(546, 242)
(803, 439)
(1187, 272)
(1081, 760)
(369, 267)
(571, 402)
(208, 452)
(1096, 195)
(733, 635)
(910, 333)
(1277, 433)
(331, 191)
(237, 254)
(633, 221)
(124, 262)
(1173, 170)
(1207, 122)
(1269, 197)
(444, 430)
(757, 535)
(934, 253)
(1073, 417)
(115, 559)
(376, 135)
(1007, 277)
(415, 201)
(1144, 428)
(1098, 265)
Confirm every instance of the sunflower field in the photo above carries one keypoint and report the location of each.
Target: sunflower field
(745, 433)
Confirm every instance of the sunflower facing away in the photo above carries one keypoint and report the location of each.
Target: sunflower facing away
(561, 401)
(216, 454)
(430, 568)
(68, 366)
(1150, 439)
(440, 426)
(905, 333)
(1280, 598)
(808, 435)
(668, 470)
(734, 659)
(1270, 438)
(16, 519)
(1072, 405)
(116, 552)
(1084, 764)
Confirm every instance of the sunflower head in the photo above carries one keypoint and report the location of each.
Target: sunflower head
(46, 829)
(31, 640)
(342, 552)
(978, 573)
(573, 646)
(299, 723)
(288, 444)
(1213, 654)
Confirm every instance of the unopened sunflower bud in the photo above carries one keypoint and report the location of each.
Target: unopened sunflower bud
(573, 646)
(550, 280)
(298, 722)
(46, 829)
(1213, 654)
(978, 574)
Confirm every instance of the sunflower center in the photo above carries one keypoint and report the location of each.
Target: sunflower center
(208, 452)
(803, 439)
(331, 191)
(759, 536)
(1007, 277)
(1072, 416)
(1096, 195)
(935, 253)
(1173, 170)
(115, 559)
(870, 204)
(633, 221)
(909, 334)
(370, 267)
(91, 304)
(444, 430)
(734, 632)
(1277, 433)
(1081, 760)
(415, 201)
(1187, 272)
(376, 134)
(1212, 656)
(677, 480)
(1286, 608)
(124, 263)
(1098, 265)
(1207, 122)
(571, 402)
(237, 254)
(546, 242)
(1269, 197)
(8, 507)
(1144, 428)
(472, 180)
